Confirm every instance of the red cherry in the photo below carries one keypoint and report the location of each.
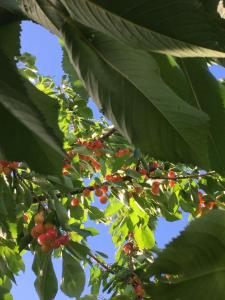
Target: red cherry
(25, 218)
(42, 238)
(143, 171)
(46, 248)
(39, 218)
(37, 230)
(51, 234)
(98, 193)
(155, 187)
(74, 202)
(201, 199)
(104, 188)
(86, 192)
(172, 183)
(128, 248)
(103, 199)
(108, 177)
(139, 291)
(171, 174)
(57, 244)
(64, 239)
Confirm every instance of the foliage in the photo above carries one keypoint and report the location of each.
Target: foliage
(69, 169)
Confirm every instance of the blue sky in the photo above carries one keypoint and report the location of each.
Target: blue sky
(39, 42)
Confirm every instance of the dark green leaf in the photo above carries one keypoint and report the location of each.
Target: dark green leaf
(73, 278)
(144, 109)
(46, 281)
(209, 96)
(197, 257)
(61, 213)
(167, 26)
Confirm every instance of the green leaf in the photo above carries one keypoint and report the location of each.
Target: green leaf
(144, 109)
(144, 237)
(73, 278)
(79, 250)
(77, 84)
(95, 213)
(197, 257)
(209, 96)
(184, 29)
(33, 138)
(7, 205)
(138, 210)
(61, 213)
(114, 206)
(46, 281)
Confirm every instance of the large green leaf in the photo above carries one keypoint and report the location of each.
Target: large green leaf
(26, 114)
(46, 282)
(197, 256)
(75, 81)
(209, 96)
(34, 141)
(176, 27)
(126, 84)
(73, 278)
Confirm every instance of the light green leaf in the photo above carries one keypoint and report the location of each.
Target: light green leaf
(138, 210)
(144, 237)
(114, 206)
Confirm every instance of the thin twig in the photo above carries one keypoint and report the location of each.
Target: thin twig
(106, 267)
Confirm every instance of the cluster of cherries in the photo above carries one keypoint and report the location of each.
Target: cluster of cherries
(7, 167)
(93, 161)
(156, 184)
(129, 249)
(100, 191)
(203, 205)
(94, 145)
(122, 152)
(47, 234)
(114, 178)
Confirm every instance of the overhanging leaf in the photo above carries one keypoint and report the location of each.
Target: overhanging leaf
(197, 257)
(29, 116)
(126, 84)
(180, 28)
(209, 96)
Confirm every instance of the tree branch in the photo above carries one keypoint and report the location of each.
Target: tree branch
(108, 134)
(106, 267)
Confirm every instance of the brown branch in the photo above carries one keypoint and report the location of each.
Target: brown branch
(40, 198)
(108, 134)
(184, 177)
(106, 267)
